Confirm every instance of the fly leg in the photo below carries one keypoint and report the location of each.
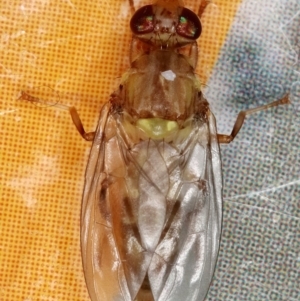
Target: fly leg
(73, 112)
(242, 115)
(77, 122)
(202, 7)
(79, 126)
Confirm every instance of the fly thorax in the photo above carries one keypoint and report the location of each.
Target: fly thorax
(160, 84)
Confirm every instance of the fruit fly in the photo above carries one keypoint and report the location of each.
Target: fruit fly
(152, 203)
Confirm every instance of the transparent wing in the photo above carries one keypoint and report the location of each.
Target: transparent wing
(151, 214)
(99, 253)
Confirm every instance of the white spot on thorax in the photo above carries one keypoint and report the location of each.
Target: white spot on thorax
(168, 75)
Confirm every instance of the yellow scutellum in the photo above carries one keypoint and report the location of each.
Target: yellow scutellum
(157, 128)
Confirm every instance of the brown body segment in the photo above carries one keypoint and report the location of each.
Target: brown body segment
(202, 110)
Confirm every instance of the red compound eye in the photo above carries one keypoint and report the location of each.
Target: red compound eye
(189, 25)
(143, 20)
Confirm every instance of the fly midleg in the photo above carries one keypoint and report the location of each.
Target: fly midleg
(242, 115)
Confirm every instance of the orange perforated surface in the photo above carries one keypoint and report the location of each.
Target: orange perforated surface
(71, 52)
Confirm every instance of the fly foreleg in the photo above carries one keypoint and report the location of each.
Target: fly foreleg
(242, 115)
(79, 126)
(73, 112)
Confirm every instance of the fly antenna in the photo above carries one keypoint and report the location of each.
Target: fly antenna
(132, 8)
(202, 7)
